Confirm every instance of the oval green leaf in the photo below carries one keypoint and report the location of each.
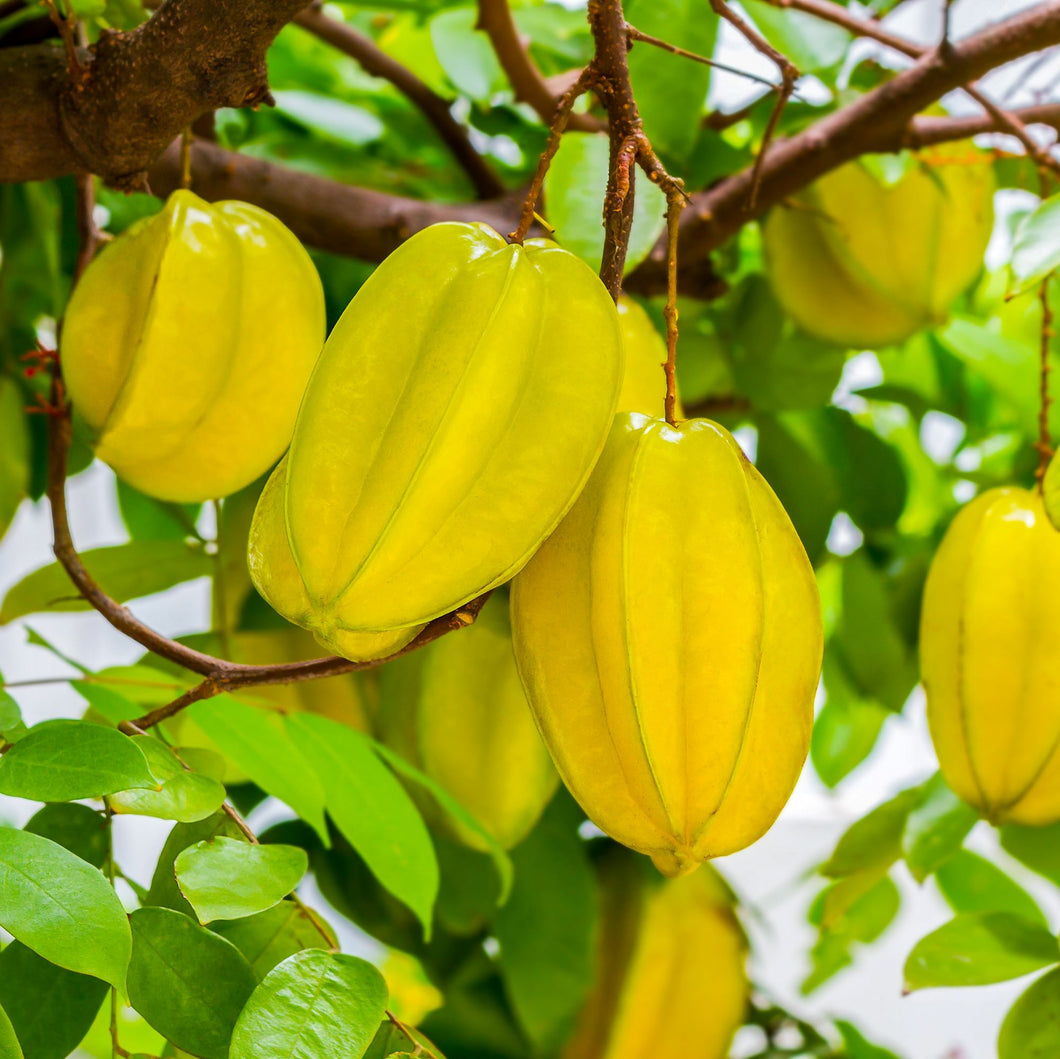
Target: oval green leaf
(256, 742)
(184, 796)
(124, 572)
(9, 1046)
(51, 1009)
(980, 948)
(187, 982)
(970, 883)
(62, 908)
(314, 1005)
(270, 937)
(224, 878)
(1036, 247)
(61, 761)
(81, 830)
(1031, 1029)
(372, 809)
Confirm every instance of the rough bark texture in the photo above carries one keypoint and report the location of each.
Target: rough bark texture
(137, 90)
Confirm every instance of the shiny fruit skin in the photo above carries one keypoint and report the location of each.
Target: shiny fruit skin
(669, 638)
(990, 657)
(275, 575)
(446, 430)
(457, 711)
(187, 344)
(671, 976)
(865, 265)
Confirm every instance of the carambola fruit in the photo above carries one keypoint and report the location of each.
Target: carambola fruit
(669, 638)
(670, 969)
(457, 711)
(990, 657)
(453, 417)
(187, 344)
(864, 264)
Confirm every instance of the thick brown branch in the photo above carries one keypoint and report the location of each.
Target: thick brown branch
(528, 84)
(138, 89)
(877, 121)
(352, 221)
(376, 62)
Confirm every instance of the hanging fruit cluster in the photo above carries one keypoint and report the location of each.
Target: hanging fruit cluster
(458, 430)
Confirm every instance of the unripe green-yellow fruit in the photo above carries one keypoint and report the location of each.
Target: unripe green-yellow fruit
(670, 969)
(864, 264)
(187, 344)
(669, 638)
(457, 711)
(446, 430)
(644, 383)
(990, 657)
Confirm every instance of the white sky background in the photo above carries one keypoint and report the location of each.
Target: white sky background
(935, 1024)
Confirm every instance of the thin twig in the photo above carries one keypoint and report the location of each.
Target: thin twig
(646, 38)
(1044, 444)
(559, 123)
(186, 137)
(88, 233)
(434, 107)
(675, 203)
(789, 75)
(528, 83)
(66, 25)
(829, 11)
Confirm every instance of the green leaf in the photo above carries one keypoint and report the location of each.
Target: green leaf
(547, 928)
(809, 42)
(671, 92)
(314, 1005)
(332, 117)
(1031, 1029)
(501, 861)
(184, 796)
(10, 714)
(936, 828)
(971, 883)
(1036, 247)
(258, 744)
(14, 451)
(1037, 847)
(392, 1042)
(223, 878)
(150, 519)
(164, 890)
(467, 57)
(188, 983)
(9, 1046)
(846, 729)
(51, 1009)
(60, 761)
(874, 841)
(123, 571)
(856, 1045)
(268, 938)
(979, 948)
(372, 809)
(574, 190)
(855, 910)
(81, 830)
(1051, 491)
(62, 908)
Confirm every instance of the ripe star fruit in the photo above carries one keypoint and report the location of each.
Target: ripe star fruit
(669, 638)
(644, 383)
(187, 344)
(445, 432)
(864, 264)
(990, 657)
(457, 711)
(670, 968)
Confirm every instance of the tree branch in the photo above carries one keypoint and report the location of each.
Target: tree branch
(495, 20)
(878, 121)
(340, 218)
(376, 62)
(138, 90)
